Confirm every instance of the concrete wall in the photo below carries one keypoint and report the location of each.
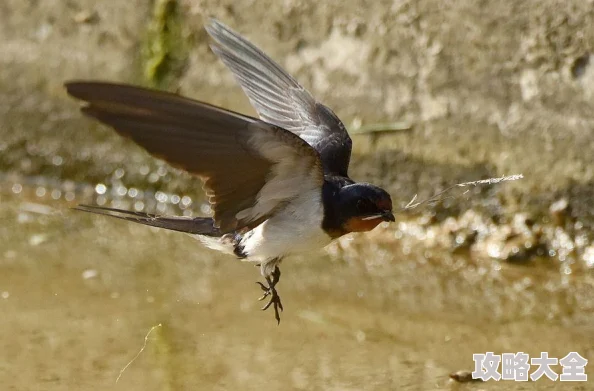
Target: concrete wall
(489, 88)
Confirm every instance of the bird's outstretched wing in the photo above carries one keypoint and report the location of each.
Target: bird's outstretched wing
(249, 167)
(280, 100)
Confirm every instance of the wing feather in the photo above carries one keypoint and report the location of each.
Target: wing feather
(280, 100)
(245, 163)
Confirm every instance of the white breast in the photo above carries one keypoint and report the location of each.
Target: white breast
(296, 228)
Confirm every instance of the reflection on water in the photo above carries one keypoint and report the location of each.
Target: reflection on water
(380, 311)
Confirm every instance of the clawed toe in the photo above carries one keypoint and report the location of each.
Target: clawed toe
(267, 291)
(274, 301)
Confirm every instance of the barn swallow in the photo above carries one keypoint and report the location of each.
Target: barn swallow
(277, 185)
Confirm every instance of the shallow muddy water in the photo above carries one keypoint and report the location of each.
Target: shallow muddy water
(378, 311)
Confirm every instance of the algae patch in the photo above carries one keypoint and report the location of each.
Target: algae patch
(165, 50)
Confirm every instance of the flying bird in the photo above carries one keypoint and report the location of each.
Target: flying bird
(277, 185)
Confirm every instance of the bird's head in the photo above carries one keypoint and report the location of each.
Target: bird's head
(363, 206)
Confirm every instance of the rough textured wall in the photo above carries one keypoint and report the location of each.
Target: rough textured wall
(489, 88)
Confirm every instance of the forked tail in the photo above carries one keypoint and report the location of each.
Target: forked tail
(192, 225)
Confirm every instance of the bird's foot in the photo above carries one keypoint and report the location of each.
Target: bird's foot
(270, 290)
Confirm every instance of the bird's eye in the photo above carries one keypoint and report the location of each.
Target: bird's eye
(363, 205)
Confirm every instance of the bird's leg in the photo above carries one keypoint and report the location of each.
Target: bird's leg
(270, 290)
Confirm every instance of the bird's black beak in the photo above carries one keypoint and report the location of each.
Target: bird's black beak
(387, 215)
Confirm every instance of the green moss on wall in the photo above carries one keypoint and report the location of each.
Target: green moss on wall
(165, 50)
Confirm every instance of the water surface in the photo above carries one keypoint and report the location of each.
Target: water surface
(374, 312)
